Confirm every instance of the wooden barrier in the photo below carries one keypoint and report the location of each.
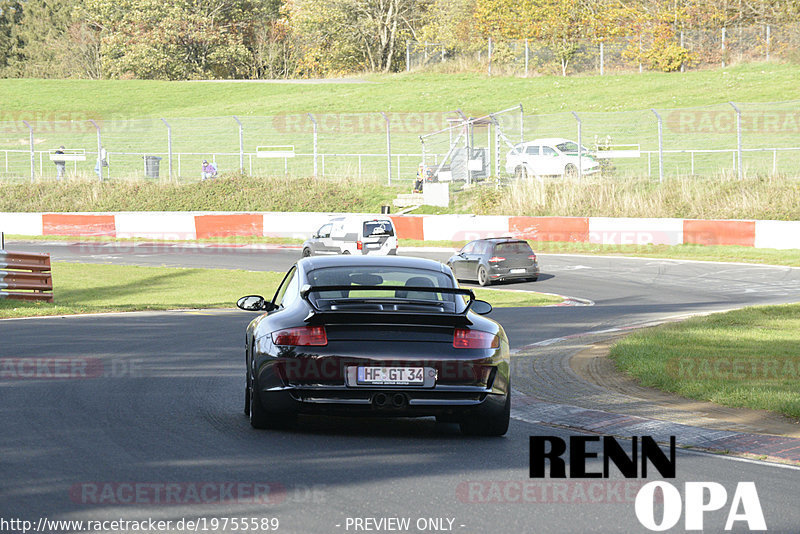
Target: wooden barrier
(27, 274)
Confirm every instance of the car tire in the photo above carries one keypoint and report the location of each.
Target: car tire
(345, 253)
(260, 418)
(306, 252)
(483, 276)
(247, 394)
(489, 424)
(570, 171)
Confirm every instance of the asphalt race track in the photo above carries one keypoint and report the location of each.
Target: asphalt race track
(149, 423)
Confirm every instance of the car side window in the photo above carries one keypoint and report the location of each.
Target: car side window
(468, 248)
(532, 150)
(284, 291)
(483, 247)
(548, 151)
(325, 231)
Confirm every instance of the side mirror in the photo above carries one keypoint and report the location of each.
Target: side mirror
(481, 307)
(254, 303)
(315, 236)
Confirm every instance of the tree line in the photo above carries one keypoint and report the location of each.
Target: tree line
(198, 39)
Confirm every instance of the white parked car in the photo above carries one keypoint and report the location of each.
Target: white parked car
(551, 156)
(354, 234)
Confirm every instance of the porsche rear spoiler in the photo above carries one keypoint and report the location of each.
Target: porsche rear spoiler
(387, 310)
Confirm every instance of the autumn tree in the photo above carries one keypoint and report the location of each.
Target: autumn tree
(561, 24)
(356, 34)
(180, 39)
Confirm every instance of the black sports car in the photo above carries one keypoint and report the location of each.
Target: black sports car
(375, 336)
(495, 259)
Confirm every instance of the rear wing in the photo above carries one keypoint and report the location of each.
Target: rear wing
(387, 309)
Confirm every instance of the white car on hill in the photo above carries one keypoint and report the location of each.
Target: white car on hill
(548, 157)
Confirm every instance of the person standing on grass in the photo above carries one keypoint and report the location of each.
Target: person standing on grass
(209, 171)
(61, 165)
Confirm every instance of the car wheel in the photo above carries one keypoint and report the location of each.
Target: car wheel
(260, 418)
(306, 252)
(520, 172)
(570, 171)
(346, 253)
(483, 276)
(490, 424)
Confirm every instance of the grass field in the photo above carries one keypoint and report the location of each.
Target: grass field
(95, 288)
(745, 358)
(200, 115)
(473, 93)
(773, 198)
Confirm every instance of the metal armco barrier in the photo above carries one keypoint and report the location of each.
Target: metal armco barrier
(28, 274)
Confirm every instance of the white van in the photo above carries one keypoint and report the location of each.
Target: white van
(353, 235)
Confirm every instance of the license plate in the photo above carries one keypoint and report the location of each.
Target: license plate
(517, 271)
(373, 245)
(391, 375)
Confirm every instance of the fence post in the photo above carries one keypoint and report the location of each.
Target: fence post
(169, 146)
(580, 146)
(241, 144)
(490, 56)
(33, 157)
(682, 63)
(314, 123)
(99, 151)
(527, 57)
(660, 147)
(521, 124)
(408, 55)
(422, 141)
(723, 48)
(768, 31)
(738, 139)
(388, 149)
(601, 58)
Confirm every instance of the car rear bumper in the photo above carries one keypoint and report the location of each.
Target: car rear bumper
(382, 402)
(499, 273)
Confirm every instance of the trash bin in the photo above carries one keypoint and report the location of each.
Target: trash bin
(385, 209)
(151, 166)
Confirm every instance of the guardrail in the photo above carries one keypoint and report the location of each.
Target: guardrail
(28, 274)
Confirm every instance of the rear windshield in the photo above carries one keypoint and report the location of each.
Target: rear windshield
(393, 278)
(378, 228)
(520, 248)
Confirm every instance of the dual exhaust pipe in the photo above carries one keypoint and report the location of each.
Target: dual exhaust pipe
(382, 400)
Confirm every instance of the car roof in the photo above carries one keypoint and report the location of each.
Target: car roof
(407, 262)
(501, 239)
(548, 141)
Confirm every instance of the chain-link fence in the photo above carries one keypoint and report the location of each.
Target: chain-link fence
(707, 47)
(752, 138)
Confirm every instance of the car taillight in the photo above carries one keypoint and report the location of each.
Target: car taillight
(359, 245)
(495, 259)
(302, 336)
(532, 257)
(474, 339)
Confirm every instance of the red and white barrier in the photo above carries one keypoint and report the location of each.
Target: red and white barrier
(600, 230)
